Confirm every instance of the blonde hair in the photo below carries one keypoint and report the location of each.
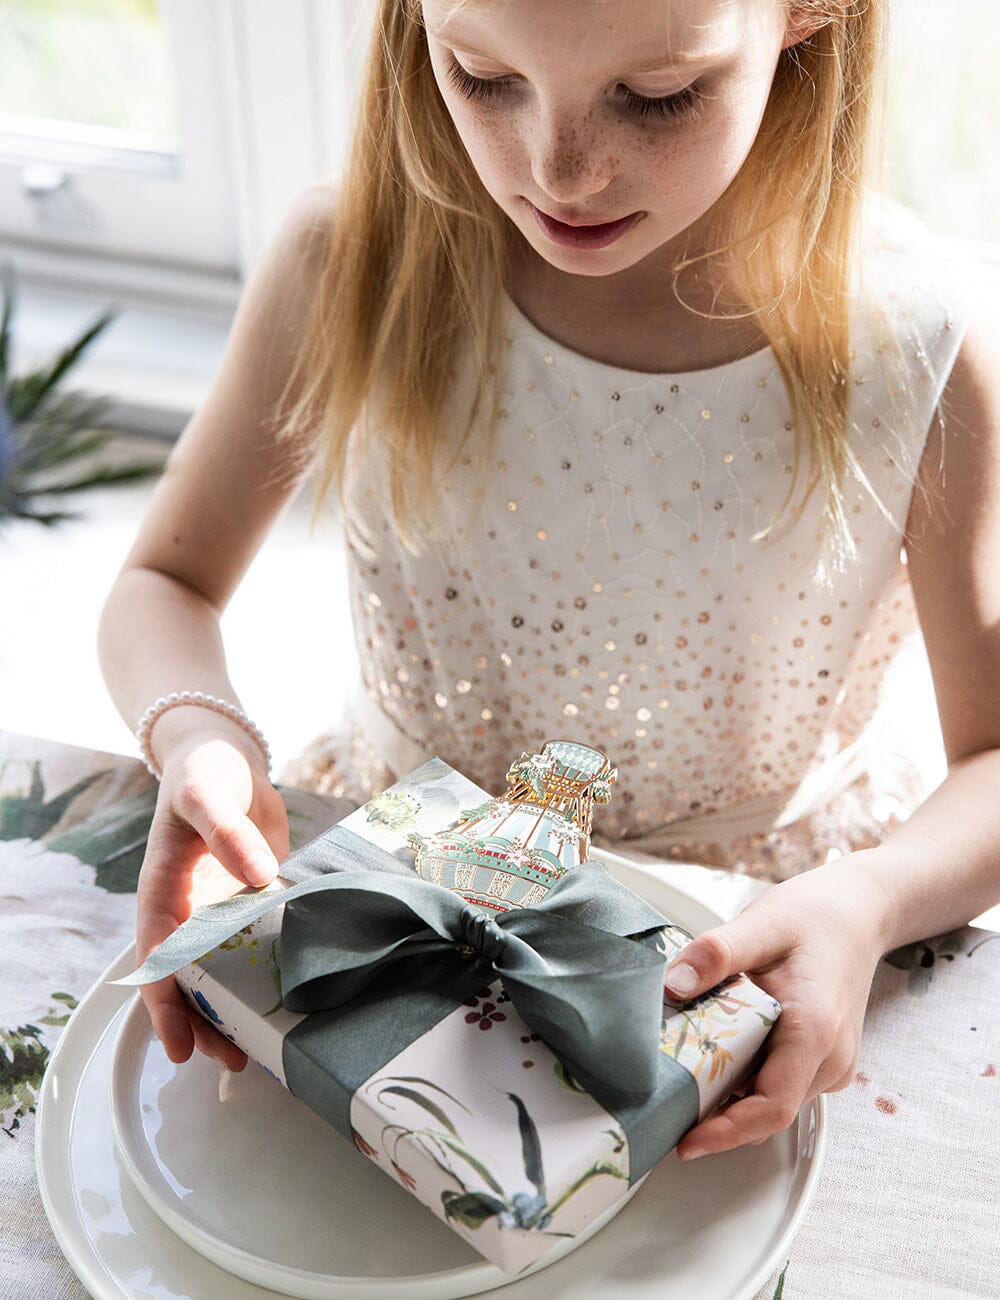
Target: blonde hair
(418, 261)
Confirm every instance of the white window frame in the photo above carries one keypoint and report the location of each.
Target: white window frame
(294, 74)
(286, 76)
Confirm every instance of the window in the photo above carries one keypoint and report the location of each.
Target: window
(113, 131)
(157, 142)
(943, 109)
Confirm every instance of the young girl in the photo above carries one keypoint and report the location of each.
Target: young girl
(630, 405)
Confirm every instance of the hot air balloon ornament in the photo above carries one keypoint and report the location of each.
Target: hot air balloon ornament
(508, 852)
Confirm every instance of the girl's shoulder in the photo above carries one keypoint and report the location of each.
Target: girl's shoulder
(917, 293)
(307, 225)
(911, 273)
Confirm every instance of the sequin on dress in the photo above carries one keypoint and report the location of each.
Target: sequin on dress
(606, 589)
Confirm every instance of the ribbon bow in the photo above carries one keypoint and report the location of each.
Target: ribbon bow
(568, 964)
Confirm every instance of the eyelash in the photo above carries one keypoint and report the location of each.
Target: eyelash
(642, 107)
(679, 105)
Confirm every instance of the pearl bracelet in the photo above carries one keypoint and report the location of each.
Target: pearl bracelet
(206, 701)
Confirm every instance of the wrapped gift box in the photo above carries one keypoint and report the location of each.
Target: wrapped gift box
(475, 1114)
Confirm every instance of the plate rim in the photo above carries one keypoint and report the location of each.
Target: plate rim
(65, 1226)
(79, 1248)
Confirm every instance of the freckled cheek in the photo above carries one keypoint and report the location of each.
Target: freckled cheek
(703, 162)
(493, 148)
(734, 140)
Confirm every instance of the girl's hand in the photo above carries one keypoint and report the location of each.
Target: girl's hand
(219, 826)
(813, 942)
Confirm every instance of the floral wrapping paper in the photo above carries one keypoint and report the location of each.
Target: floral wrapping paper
(477, 1118)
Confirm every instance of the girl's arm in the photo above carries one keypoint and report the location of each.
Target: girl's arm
(219, 823)
(814, 941)
(942, 866)
(225, 482)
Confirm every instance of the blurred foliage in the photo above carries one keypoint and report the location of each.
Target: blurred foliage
(51, 441)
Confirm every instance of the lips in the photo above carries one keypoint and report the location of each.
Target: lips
(576, 234)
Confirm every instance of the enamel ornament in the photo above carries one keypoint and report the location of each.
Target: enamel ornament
(508, 852)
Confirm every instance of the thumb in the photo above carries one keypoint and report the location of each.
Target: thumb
(236, 842)
(715, 955)
(244, 852)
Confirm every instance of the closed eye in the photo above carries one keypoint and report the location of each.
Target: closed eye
(677, 105)
(642, 107)
(477, 87)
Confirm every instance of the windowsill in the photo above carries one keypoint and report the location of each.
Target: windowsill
(154, 363)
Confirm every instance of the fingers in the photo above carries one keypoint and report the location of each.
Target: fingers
(227, 832)
(806, 1057)
(779, 1092)
(163, 904)
(181, 1029)
(743, 944)
(178, 875)
(169, 1018)
(211, 1043)
(217, 821)
(793, 941)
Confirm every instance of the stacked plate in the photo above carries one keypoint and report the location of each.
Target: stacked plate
(188, 1181)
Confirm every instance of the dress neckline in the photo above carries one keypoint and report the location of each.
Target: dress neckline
(749, 360)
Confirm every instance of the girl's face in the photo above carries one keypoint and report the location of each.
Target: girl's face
(605, 129)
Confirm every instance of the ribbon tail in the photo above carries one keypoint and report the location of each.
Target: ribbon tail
(328, 857)
(211, 925)
(204, 930)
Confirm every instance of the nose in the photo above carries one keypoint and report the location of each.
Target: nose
(568, 162)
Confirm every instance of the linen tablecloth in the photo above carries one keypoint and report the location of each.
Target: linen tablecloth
(907, 1204)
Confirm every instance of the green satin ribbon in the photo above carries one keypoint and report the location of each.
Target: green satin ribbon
(377, 955)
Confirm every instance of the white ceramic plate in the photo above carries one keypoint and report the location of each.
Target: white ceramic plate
(213, 1153)
(716, 1228)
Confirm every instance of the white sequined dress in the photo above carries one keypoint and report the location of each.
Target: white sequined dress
(607, 590)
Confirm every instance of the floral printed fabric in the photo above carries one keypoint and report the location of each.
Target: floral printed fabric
(73, 826)
(912, 1144)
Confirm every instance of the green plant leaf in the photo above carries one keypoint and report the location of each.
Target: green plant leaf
(471, 1209)
(531, 1149)
(55, 445)
(431, 1107)
(463, 1152)
(23, 1058)
(47, 517)
(104, 478)
(600, 1170)
(26, 393)
(74, 412)
(9, 288)
(426, 1083)
(779, 1290)
(30, 816)
(113, 841)
(75, 409)
(43, 430)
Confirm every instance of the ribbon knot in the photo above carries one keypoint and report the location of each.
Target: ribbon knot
(479, 933)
